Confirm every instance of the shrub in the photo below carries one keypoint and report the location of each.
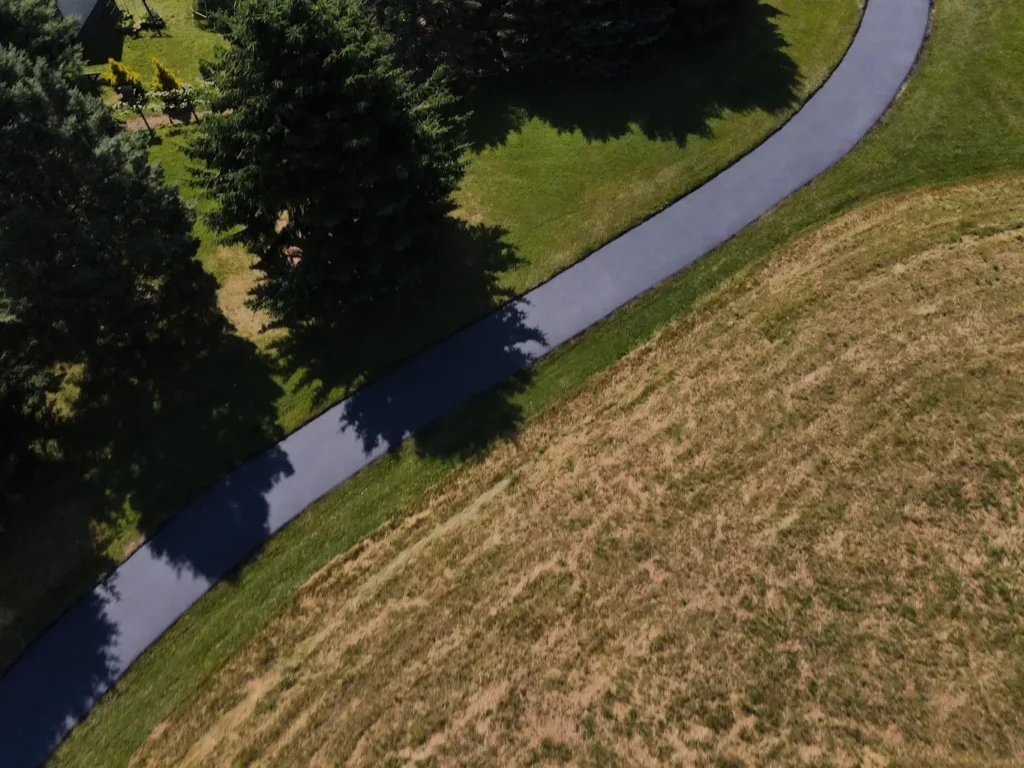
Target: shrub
(121, 76)
(173, 94)
(176, 99)
(127, 82)
(163, 78)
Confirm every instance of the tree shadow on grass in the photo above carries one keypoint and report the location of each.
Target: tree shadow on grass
(486, 364)
(156, 438)
(147, 436)
(740, 69)
(151, 429)
(362, 350)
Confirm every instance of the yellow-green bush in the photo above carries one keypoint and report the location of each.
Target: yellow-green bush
(121, 75)
(163, 78)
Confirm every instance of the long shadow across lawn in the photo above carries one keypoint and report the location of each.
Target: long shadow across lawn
(743, 68)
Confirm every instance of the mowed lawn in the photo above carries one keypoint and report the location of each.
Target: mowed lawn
(959, 118)
(786, 532)
(553, 172)
(583, 164)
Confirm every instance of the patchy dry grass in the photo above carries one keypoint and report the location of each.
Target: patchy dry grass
(233, 292)
(786, 531)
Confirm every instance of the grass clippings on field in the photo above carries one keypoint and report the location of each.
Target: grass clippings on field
(786, 531)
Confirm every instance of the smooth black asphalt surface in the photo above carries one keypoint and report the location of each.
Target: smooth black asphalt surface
(58, 679)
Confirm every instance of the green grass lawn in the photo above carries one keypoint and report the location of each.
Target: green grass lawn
(181, 45)
(583, 164)
(961, 117)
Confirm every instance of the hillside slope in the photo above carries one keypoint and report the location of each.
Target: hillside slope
(786, 530)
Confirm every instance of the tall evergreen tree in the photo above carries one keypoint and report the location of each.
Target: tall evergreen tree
(336, 165)
(36, 27)
(96, 253)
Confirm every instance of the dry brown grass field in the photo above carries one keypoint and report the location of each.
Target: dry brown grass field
(785, 532)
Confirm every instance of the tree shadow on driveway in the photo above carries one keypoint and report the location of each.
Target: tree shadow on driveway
(142, 439)
(360, 351)
(142, 444)
(147, 433)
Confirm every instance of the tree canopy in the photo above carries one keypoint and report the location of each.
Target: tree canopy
(464, 36)
(334, 163)
(26, 380)
(91, 239)
(96, 252)
(36, 27)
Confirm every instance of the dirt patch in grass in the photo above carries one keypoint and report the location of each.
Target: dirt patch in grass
(785, 532)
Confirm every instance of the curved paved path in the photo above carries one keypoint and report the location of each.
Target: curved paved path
(55, 683)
